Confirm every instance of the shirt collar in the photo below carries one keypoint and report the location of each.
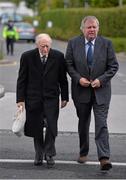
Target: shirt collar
(41, 55)
(93, 42)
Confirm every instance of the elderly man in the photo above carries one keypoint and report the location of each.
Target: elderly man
(92, 63)
(42, 78)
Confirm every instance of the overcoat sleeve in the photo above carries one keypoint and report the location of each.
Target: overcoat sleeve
(63, 79)
(22, 80)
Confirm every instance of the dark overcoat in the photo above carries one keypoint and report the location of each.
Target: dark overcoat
(40, 88)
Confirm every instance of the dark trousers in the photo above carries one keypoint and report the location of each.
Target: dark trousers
(101, 129)
(45, 145)
(10, 45)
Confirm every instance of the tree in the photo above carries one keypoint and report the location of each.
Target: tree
(106, 3)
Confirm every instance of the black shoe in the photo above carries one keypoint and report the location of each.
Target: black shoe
(50, 161)
(38, 162)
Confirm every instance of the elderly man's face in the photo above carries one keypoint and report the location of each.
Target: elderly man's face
(44, 46)
(91, 29)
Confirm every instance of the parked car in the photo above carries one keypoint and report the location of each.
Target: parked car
(26, 31)
(5, 17)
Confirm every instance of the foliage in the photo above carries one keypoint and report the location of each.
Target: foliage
(40, 5)
(119, 44)
(52, 4)
(106, 3)
(31, 3)
(15, 1)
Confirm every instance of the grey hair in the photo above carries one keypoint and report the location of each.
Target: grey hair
(41, 36)
(88, 18)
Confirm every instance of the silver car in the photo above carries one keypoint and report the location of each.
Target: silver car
(26, 31)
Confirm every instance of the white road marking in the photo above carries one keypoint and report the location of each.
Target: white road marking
(58, 162)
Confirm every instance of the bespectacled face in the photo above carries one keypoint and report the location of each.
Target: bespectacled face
(44, 46)
(90, 29)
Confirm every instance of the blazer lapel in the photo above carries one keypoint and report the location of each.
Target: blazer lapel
(82, 52)
(97, 50)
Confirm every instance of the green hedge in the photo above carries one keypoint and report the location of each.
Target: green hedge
(119, 44)
(112, 20)
(66, 23)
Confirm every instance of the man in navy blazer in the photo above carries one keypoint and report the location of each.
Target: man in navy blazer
(91, 72)
(41, 80)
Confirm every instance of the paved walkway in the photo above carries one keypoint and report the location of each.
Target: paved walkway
(68, 121)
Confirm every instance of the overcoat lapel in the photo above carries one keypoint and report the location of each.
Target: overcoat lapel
(37, 61)
(50, 62)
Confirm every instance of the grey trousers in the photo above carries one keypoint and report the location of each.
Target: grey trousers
(101, 129)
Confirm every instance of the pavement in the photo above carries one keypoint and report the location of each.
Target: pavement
(17, 154)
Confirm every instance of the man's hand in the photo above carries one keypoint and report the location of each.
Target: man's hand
(96, 83)
(63, 104)
(19, 104)
(84, 82)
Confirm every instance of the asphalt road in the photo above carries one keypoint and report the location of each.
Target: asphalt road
(17, 154)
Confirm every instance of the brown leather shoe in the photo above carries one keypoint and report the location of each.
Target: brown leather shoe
(105, 164)
(82, 159)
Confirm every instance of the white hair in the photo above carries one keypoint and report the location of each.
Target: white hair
(88, 18)
(43, 36)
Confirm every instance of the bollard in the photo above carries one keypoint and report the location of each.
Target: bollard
(2, 91)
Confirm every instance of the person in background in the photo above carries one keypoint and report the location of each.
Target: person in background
(91, 63)
(10, 34)
(42, 78)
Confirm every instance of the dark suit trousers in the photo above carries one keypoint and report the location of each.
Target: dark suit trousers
(10, 45)
(101, 130)
(45, 144)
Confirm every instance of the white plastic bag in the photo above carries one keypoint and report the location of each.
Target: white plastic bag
(19, 122)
